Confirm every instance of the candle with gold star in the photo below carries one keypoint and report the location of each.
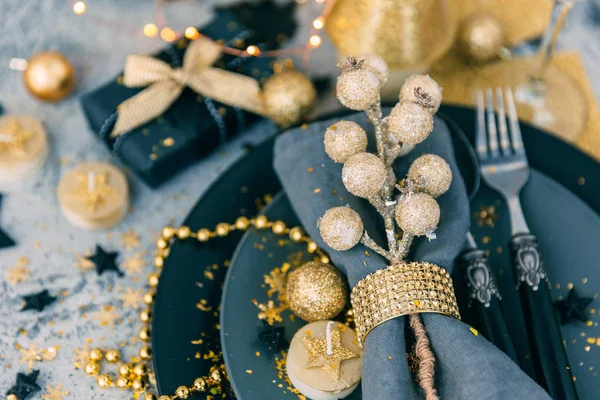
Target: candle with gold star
(23, 148)
(94, 196)
(324, 360)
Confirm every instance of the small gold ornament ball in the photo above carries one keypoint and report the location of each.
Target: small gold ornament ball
(357, 88)
(288, 96)
(96, 354)
(344, 139)
(410, 123)
(422, 90)
(341, 228)
(417, 214)
(433, 172)
(363, 174)
(377, 65)
(49, 76)
(481, 38)
(113, 356)
(316, 291)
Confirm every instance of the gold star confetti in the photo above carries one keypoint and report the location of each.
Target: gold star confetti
(93, 189)
(319, 357)
(83, 263)
(132, 298)
(30, 356)
(55, 393)
(14, 137)
(130, 240)
(277, 280)
(134, 264)
(486, 216)
(81, 356)
(107, 316)
(269, 312)
(20, 272)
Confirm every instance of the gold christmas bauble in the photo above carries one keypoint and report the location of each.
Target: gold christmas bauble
(344, 139)
(288, 96)
(364, 174)
(316, 291)
(422, 90)
(410, 123)
(481, 38)
(341, 228)
(431, 173)
(357, 87)
(417, 214)
(49, 76)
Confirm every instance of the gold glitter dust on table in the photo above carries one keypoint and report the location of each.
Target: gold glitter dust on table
(486, 216)
(269, 312)
(81, 356)
(107, 316)
(130, 240)
(133, 265)
(30, 356)
(20, 272)
(55, 393)
(132, 298)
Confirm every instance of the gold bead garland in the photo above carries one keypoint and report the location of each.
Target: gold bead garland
(136, 377)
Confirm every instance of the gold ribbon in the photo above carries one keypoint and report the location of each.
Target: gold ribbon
(166, 83)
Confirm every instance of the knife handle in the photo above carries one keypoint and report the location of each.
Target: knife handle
(545, 339)
(484, 299)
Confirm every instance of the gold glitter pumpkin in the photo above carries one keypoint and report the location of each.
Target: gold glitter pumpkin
(341, 228)
(481, 38)
(433, 174)
(344, 139)
(418, 214)
(422, 90)
(363, 174)
(316, 291)
(410, 123)
(288, 96)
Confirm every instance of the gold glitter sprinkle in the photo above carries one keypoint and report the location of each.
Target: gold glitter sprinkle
(474, 331)
(317, 190)
(55, 393)
(30, 356)
(499, 249)
(130, 240)
(591, 340)
(134, 264)
(589, 323)
(587, 348)
(153, 156)
(244, 189)
(389, 357)
(209, 275)
(203, 305)
(249, 371)
(269, 312)
(20, 272)
(168, 142)
(584, 280)
(257, 354)
(581, 180)
(276, 280)
(485, 240)
(486, 216)
(570, 285)
(81, 356)
(132, 298)
(310, 169)
(107, 316)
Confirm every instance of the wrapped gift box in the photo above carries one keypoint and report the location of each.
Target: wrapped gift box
(193, 126)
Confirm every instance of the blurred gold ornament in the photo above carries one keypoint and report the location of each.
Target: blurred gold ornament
(288, 96)
(364, 174)
(49, 76)
(481, 38)
(406, 34)
(316, 291)
(357, 87)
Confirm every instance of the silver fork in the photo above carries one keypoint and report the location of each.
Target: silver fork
(504, 167)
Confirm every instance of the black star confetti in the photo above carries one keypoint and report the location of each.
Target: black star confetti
(25, 385)
(273, 336)
(573, 308)
(5, 240)
(38, 301)
(105, 261)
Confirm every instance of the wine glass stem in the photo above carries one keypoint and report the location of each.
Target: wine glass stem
(560, 11)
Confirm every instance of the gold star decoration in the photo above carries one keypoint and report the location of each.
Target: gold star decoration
(276, 280)
(55, 393)
(81, 356)
(107, 316)
(14, 137)
(96, 193)
(20, 272)
(318, 357)
(269, 312)
(132, 298)
(486, 216)
(30, 356)
(134, 264)
(83, 262)
(130, 240)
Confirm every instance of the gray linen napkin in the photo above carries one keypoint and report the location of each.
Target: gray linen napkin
(468, 366)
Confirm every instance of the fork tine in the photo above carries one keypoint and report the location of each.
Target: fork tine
(480, 138)
(491, 124)
(515, 129)
(504, 142)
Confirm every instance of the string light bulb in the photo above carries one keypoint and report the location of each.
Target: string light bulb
(191, 33)
(319, 23)
(79, 7)
(253, 51)
(315, 41)
(150, 30)
(167, 34)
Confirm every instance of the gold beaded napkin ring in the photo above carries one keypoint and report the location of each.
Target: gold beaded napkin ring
(402, 289)
(137, 376)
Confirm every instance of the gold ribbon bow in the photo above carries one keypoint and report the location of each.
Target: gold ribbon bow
(166, 83)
